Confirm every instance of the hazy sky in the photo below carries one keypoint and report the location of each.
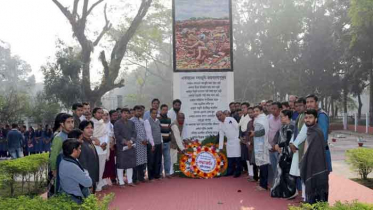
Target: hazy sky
(185, 9)
(31, 28)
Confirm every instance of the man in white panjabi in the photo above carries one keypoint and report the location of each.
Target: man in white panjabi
(228, 127)
(101, 141)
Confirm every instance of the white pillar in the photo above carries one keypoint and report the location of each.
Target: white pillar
(344, 121)
(356, 122)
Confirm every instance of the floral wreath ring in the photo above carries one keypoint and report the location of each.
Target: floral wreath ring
(185, 166)
(215, 171)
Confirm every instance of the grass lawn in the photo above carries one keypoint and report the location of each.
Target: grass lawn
(367, 183)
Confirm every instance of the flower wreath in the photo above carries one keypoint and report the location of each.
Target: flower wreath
(188, 165)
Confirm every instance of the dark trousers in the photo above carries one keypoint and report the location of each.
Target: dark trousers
(154, 161)
(263, 176)
(256, 172)
(234, 166)
(3, 154)
(139, 173)
(25, 151)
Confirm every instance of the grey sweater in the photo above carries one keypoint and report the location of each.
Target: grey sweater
(71, 176)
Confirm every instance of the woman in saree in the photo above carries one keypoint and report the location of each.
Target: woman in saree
(284, 185)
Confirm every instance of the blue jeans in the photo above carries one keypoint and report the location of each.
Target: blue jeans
(166, 158)
(16, 153)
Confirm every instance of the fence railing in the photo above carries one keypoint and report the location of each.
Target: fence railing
(352, 120)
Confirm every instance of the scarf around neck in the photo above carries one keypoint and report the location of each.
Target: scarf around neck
(313, 166)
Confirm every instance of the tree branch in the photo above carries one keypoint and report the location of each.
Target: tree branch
(75, 9)
(85, 10)
(121, 46)
(104, 30)
(94, 5)
(119, 84)
(104, 64)
(65, 11)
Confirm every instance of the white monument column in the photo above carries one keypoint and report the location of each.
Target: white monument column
(203, 94)
(203, 62)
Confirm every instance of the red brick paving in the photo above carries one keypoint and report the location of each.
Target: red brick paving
(342, 189)
(196, 194)
(220, 194)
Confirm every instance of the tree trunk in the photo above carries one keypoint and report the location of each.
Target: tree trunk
(332, 107)
(336, 111)
(345, 98)
(110, 67)
(371, 95)
(360, 106)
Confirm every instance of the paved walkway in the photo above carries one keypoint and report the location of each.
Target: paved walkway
(224, 193)
(228, 193)
(346, 140)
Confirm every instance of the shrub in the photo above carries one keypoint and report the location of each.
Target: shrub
(23, 169)
(337, 206)
(55, 203)
(361, 160)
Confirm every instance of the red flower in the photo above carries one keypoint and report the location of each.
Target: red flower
(199, 149)
(193, 159)
(204, 174)
(206, 149)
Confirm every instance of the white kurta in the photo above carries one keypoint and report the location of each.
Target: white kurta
(230, 129)
(302, 135)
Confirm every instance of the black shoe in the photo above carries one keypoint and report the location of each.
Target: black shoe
(236, 175)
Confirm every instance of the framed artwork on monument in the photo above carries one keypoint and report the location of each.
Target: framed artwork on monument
(202, 35)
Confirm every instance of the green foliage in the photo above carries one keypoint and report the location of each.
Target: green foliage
(23, 169)
(44, 109)
(55, 203)
(14, 72)
(361, 160)
(14, 105)
(337, 206)
(361, 15)
(210, 140)
(62, 79)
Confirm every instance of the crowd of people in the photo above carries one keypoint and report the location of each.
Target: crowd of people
(284, 146)
(281, 146)
(22, 141)
(94, 149)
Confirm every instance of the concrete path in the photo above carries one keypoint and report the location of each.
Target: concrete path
(228, 193)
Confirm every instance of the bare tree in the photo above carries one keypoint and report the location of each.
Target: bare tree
(110, 67)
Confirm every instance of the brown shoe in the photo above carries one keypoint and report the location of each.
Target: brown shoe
(250, 179)
(131, 185)
(259, 188)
